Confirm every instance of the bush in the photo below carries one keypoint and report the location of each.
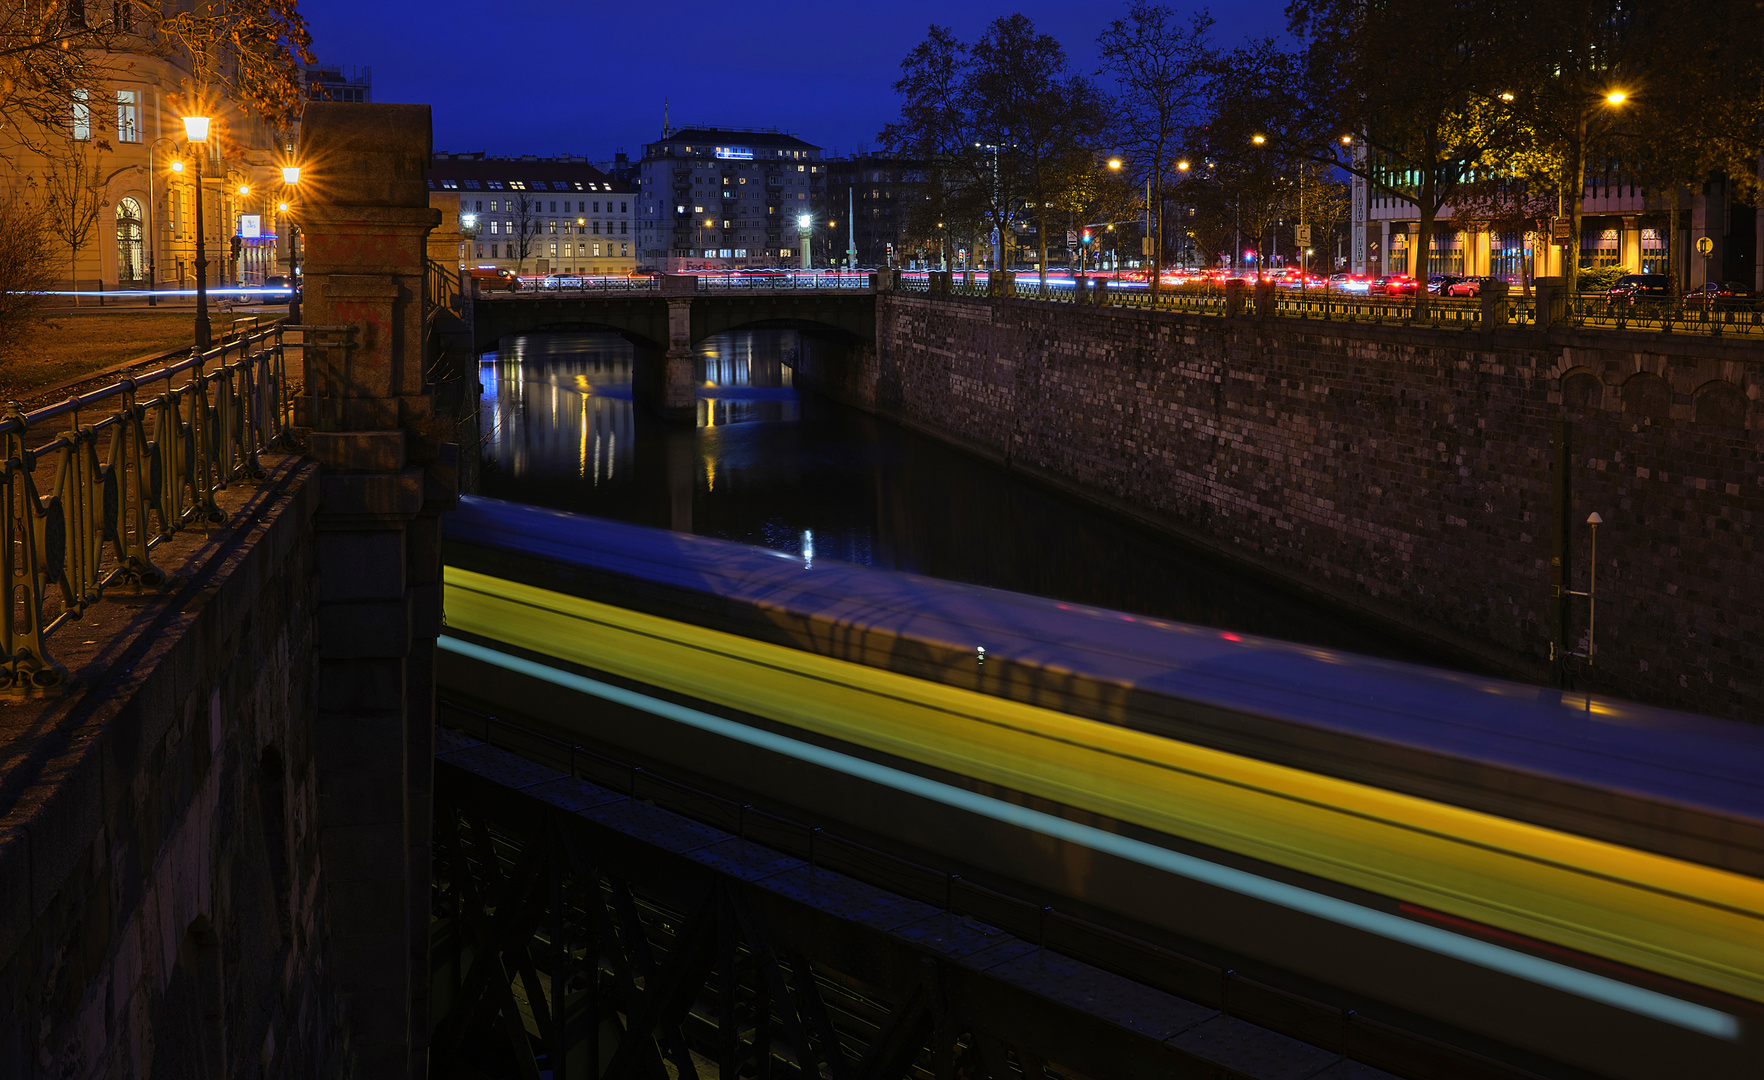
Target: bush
(24, 270)
(1599, 279)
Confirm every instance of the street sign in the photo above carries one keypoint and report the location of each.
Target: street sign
(1705, 246)
(251, 226)
(1071, 238)
(1145, 246)
(1562, 230)
(1303, 235)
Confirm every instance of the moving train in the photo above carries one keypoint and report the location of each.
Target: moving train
(1572, 884)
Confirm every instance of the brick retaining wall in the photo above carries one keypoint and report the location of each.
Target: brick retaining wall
(1401, 471)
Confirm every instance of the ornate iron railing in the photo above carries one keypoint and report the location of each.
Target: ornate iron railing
(1717, 317)
(85, 509)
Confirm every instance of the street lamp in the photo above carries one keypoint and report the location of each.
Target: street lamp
(291, 178)
(177, 166)
(196, 130)
(803, 221)
(1616, 97)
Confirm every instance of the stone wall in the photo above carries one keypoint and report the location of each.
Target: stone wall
(160, 904)
(1404, 472)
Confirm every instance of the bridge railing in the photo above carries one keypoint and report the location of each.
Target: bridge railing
(136, 462)
(560, 285)
(1715, 317)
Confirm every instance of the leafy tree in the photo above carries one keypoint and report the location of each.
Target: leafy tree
(1416, 88)
(1161, 67)
(1003, 127)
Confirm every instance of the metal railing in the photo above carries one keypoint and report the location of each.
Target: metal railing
(708, 282)
(1587, 310)
(85, 509)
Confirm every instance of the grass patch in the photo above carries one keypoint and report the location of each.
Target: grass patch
(62, 347)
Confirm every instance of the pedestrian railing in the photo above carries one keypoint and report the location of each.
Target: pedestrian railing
(135, 462)
(1740, 317)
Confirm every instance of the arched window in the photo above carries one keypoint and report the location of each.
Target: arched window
(131, 262)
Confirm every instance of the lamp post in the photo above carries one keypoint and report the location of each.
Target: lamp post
(196, 129)
(290, 179)
(153, 220)
(803, 222)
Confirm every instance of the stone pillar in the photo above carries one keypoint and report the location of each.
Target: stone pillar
(1234, 290)
(386, 477)
(1629, 245)
(1265, 299)
(1492, 292)
(1552, 301)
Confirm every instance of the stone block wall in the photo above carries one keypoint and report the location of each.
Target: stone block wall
(1403, 472)
(160, 894)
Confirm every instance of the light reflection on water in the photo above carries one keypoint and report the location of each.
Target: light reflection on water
(770, 466)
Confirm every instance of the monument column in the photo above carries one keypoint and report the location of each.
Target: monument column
(386, 477)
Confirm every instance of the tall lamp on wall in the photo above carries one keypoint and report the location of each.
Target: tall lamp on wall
(291, 179)
(196, 130)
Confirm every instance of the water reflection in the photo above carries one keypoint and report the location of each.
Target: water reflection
(770, 466)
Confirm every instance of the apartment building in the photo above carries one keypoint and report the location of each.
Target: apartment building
(534, 215)
(714, 198)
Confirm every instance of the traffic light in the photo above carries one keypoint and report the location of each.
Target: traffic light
(1087, 236)
(237, 250)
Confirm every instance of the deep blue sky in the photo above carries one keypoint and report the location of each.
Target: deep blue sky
(550, 77)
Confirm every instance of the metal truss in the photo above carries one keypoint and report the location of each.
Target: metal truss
(579, 932)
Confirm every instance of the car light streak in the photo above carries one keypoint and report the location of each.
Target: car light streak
(1634, 999)
(1691, 922)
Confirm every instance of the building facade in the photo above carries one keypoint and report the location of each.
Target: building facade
(538, 216)
(136, 189)
(876, 193)
(334, 82)
(729, 198)
(1622, 225)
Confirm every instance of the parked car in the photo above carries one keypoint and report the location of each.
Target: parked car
(1439, 283)
(1463, 287)
(1395, 285)
(1711, 291)
(1633, 288)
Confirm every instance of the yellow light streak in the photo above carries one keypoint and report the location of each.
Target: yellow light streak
(1684, 920)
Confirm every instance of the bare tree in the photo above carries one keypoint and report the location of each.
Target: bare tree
(1162, 67)
(51, 59)
(24, 270)
(73, 195)
(527, 227)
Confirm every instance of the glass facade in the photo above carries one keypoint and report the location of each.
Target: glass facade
(1598, 247)
(1509, 256)
(1445, 253)
(1654, 257)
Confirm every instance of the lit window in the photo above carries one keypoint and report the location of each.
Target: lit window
(597, 250)
(698, 209)
(495, 226)
(516, 185)
(624, 249)
(566, 251)
(82, 115)
(741, 253)
(127, 117)
(554, 249)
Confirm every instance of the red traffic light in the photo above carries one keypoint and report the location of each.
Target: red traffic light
(1087, 236)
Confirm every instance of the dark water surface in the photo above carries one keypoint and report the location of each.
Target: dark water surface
(795, 472)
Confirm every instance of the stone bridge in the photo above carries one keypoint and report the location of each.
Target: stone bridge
(667, 321)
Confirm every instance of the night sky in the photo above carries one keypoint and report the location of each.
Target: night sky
(549, 77)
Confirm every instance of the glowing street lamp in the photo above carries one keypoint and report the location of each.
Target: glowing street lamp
(1258, 139)
(803, 221)
(196, 130)
(290, 178)
(1616, 97)
(1115, 163)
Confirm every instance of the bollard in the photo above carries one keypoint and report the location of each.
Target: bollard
(1234, 296)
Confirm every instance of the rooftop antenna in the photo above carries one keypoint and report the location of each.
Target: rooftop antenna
(665, 130)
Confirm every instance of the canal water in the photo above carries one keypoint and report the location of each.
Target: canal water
(770, 465)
